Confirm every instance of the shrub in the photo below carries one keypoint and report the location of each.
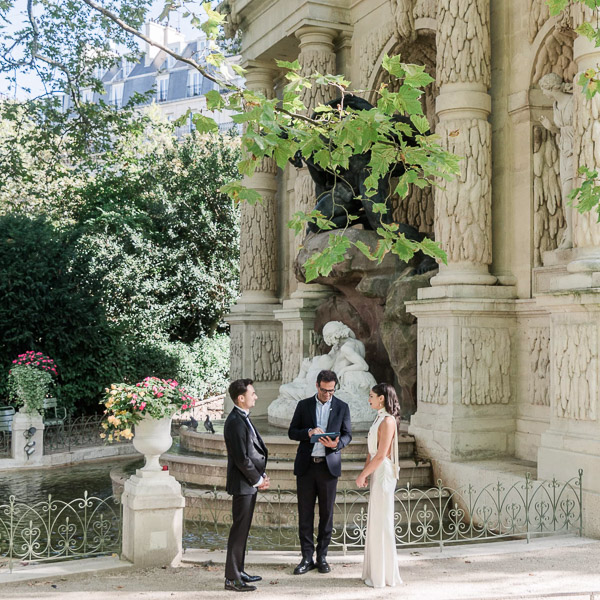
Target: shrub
(28, 386)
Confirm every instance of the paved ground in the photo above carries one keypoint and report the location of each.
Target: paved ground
(557, 569)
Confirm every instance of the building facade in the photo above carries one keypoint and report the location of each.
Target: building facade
(177, 87)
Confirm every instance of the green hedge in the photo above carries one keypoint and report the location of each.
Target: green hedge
(51, 300)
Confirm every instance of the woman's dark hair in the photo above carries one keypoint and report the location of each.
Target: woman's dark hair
(238, 388)
(390, 398)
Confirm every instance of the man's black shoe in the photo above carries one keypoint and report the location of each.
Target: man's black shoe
(304, 567)
(249, 578)
(323, 565)
(237, 585)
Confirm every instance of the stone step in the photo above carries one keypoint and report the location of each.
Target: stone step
(281, 447)
(211, 471)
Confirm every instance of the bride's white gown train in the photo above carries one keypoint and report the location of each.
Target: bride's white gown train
(380, 566)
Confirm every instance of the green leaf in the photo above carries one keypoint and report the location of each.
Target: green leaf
(379, 208)
(214, 100)
(556, 6)
(393, 65)
(364, 249)
(408, 100)
(432, 249)
(586, 30)
(403, 248)
(204, 124)
(292, 66)
(182, 120)
(420, 122)
(416, 76)
(321, 263)
(238, 70)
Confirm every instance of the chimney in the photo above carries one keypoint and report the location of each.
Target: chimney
(162, 34)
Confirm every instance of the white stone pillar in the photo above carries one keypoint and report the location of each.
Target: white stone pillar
(27, 449)
(463, 208)
(298, 313)
(255, 333)
(465, 366)
(152, 519)
(585, 265)
(258, 227)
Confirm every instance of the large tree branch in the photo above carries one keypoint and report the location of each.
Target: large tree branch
(190, 61)
(35, 42)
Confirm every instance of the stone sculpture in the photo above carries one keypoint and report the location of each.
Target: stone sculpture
(347, 359)
(341, 192)
(553, 86)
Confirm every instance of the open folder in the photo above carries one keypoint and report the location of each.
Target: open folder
(315, 437)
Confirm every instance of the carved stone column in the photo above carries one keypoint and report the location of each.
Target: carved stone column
(298, 312)
(316, 55)
(585, 265)
(463, 207)
(258, 228)
(465, 372)
(255, 333)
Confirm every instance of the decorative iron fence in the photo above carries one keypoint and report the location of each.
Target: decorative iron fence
(423, 517)
(56, 530)
(5, 444)
(78, 432)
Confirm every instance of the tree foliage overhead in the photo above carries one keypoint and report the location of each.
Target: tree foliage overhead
(124, 269)
(165, 240)
(276, 128)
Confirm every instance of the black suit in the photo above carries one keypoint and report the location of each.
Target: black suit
(246, 463)
(317, 480)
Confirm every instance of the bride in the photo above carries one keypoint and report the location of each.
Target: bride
(380, 567)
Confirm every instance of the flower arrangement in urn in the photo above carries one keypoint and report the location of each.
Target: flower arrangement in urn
(30, 379)
(127, 404)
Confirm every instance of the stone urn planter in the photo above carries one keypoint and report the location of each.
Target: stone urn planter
(152, 438)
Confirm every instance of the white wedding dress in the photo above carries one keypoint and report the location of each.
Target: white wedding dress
(380, 566)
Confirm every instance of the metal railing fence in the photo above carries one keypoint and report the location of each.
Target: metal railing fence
(78, 432)
(57, 530)
(435, 516)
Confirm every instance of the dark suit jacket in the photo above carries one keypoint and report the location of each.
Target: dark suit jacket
(246, 455)
(305, 418)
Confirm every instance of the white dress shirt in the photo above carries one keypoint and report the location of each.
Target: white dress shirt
(323, 410)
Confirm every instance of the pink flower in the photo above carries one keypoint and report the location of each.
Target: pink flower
(159, 395)
(184, 407)
(142, 406)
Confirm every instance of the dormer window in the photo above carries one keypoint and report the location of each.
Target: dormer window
(194, 83)
(162, 89)
(116, 95)
(126, 67)
(171, 60)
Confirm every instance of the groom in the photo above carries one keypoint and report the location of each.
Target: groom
(246, 462)
(318, 466)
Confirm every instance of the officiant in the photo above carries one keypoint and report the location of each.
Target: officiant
(318, 466)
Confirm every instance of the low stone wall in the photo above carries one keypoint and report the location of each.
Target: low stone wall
(73, 457)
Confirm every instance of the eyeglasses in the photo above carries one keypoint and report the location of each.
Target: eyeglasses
(324, 391)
